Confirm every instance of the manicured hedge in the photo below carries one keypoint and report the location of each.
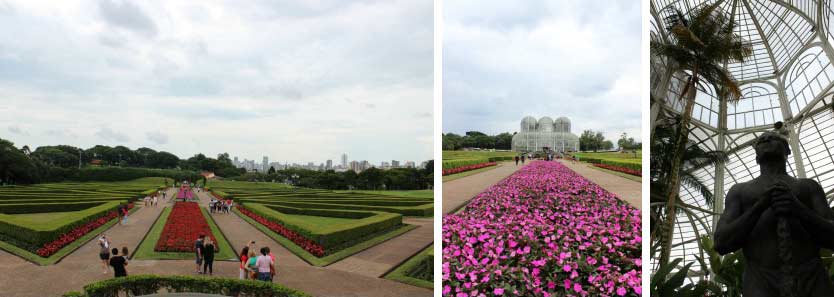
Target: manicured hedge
(630, 165)
(449, 164)
(38, 207)
(498, 159)
(379, 222)
(151, 284)
(117, 174)
(32, 240)
(422, 210)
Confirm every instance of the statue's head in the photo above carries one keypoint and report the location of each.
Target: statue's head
(771, 145)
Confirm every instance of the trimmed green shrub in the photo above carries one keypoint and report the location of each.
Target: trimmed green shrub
(328, 239)
(32, 240)
(450, 164)
(150, 284)
(38, 207)
(421, 210)
(630, 165)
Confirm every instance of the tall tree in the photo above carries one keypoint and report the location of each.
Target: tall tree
(700, 48)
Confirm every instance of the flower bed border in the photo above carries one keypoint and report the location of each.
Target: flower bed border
(465, 168)
(305, 243)
(619, 169)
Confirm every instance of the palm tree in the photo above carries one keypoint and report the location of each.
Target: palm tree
(700, 48)
(693, 158)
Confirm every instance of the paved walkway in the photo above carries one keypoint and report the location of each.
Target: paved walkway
(379, 259)
(22, 278)
(458, 192)
(628, 190)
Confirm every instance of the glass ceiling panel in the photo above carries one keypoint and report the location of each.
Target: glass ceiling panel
(758, 106)
(809, 76)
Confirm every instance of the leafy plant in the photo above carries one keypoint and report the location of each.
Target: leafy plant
(667, 284)
(727, 270)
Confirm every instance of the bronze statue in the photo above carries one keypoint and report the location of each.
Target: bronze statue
(780, 223)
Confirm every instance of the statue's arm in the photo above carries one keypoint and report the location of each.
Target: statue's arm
(734, 225)
(820, 218)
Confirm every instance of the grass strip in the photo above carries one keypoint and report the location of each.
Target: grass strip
(372, 240)
(402, 273)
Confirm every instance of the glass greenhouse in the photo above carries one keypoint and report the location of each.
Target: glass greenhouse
(545, 134)
(788, 77)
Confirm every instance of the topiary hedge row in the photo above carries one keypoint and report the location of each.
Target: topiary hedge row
(32, 240)
(630, 165)
(147, 284)
(420, 210)
(450, 164)
(378, 222)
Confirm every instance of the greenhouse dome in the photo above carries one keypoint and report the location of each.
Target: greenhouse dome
(787, 77)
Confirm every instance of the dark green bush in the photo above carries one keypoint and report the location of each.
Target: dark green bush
(449, 164)
(635, 166)
(149, 284)
(32, 240)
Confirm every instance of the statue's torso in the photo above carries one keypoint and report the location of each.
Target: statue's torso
(762, 243)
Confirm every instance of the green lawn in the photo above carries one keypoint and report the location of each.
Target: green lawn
(459, 155)
(40, 220)
(415, 266)
(314, 221)
(455, 176)
(145, 250)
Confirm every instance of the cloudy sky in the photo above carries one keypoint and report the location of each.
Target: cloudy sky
(578, 59)
(293, 80)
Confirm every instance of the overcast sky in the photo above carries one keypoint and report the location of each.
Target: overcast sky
(293, 80)
(578, 59)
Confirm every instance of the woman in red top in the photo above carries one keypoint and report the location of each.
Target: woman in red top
(244, 258)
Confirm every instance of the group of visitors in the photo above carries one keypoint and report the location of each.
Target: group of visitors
(257, 266)
(220, 205)
(151, 200)
(111, 258)
(522, 158)
(205, 250)
(122, 210)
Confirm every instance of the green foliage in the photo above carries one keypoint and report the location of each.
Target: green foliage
(664, 284)
(593, 141)
(16, 166)
(475, 139)
(370, 179)
(628, 143)
(727, 271)
(450, 164)
(151, 284)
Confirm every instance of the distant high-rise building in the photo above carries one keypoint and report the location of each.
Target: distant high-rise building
(355, 166)
(344, 160)
(395, 164)
(365, 165)
(265, 164)
(236, 162)
(409, 164)
(329, 165)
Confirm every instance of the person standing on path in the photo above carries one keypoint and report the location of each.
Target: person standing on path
(516, 160)
(208, 255)
(124, 215)
(522, 159)
(265, 265)
(198, 248)
(118, 263)
(244, 258)
(104, 253)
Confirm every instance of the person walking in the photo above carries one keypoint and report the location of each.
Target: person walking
(154, 200)
(516, 160)
(104, 253)
(119, 264)
(119, 213)
(125, 255)
(265, 265)
(124, 215)
(198, 248)
(208, 256)
(244, 258)
(522, 159)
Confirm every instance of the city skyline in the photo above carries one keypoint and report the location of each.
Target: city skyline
(326, 164)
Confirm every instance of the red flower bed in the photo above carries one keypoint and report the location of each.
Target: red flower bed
(620, 169)
(467, 168)
(67, 238)
(305, 243)
(184, 225)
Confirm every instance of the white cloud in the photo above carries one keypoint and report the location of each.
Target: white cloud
(579, 59)
(252, 79)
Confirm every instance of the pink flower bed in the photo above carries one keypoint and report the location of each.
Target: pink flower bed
(543, 231)
(619, 169)
(467, 168)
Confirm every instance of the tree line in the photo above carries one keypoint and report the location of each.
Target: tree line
(61, 162)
